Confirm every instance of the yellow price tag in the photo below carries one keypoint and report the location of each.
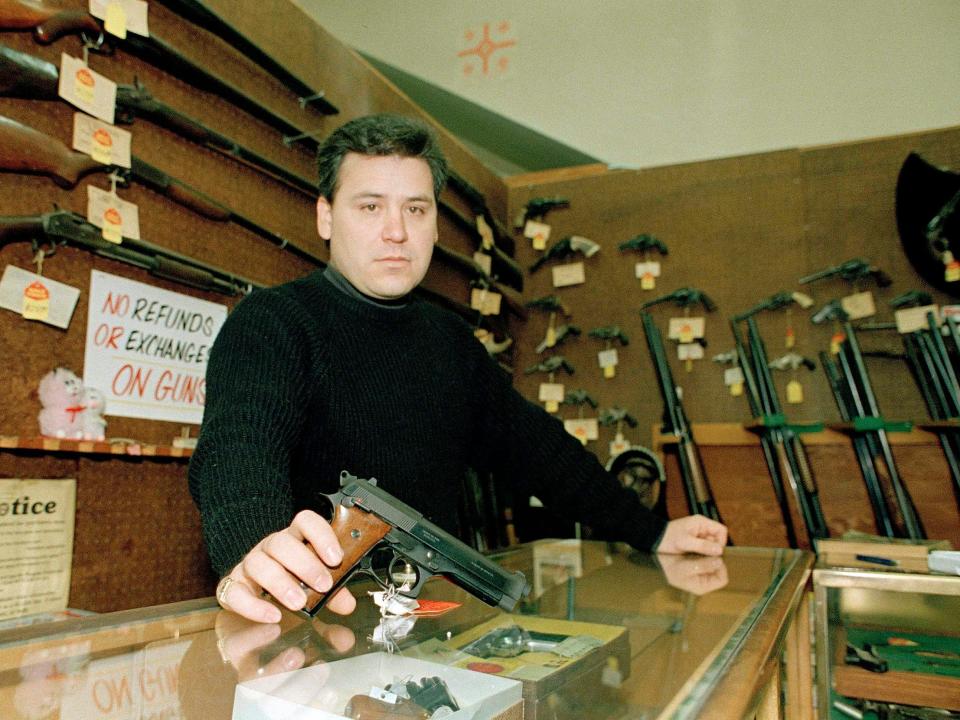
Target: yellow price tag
(686, 334)
(36, 301)
(101, 146)
(112, 229)
(115, 21)
(835, 341)
(794, 392)
(647, 281)
(84, 85)
(952, 272)
(551, 406)
(610, 371)
(736, 389)
(551, 338)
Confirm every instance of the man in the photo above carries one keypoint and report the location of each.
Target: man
(345, 370)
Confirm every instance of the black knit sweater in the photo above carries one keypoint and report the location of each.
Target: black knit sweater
(305, 380)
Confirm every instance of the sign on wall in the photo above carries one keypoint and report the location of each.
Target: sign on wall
(147, 348)
(36, 545)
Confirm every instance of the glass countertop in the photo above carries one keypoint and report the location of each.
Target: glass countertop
(606, 632)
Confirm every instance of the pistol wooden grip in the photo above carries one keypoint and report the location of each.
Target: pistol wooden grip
(358, 531)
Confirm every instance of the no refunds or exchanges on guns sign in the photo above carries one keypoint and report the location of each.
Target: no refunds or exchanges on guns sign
(147, 348)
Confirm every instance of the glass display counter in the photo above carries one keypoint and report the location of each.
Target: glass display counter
(605, 633)
(885, 637)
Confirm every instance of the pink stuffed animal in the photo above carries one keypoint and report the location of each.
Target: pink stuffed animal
(60, 394)
(91, 420)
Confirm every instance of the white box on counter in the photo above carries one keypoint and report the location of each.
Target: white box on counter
(322, 692)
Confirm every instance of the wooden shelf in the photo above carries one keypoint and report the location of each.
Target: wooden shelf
(91, 447)
(722, 434)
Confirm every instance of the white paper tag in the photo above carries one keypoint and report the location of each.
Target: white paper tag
(536, 231)
(134, 11)
(484, 261)
(104, 143)
(686, 329)
(486, 301)
(551, 392)
(62, 298)
(732, 376)
(583, 429)
(651, 268)
(83, 88)
(915, 318)
(859, 305)
(125, 216)
(690, 351)
(950, 311)
(569, 274)
(618, 445)
(608, 358)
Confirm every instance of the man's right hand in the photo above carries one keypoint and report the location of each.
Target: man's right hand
(302, 552)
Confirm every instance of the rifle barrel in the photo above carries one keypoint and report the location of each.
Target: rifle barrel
(202, 16)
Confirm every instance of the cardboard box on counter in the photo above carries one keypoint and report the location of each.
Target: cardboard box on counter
(592, 657)
(324, 691)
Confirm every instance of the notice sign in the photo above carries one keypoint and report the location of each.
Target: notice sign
(36, 545)
(147, 348)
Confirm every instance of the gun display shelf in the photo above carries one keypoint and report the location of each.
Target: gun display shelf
(128, 449)
(734, 463)
(740, 650)
(908, 619)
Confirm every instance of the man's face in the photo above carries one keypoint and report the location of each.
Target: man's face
(382, 224)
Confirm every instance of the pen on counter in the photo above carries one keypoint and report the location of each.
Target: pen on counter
(877, 560)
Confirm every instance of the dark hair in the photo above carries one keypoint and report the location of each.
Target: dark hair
(382, 135)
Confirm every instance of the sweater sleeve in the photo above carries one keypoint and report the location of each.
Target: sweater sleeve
(530, 448)
(239, 473)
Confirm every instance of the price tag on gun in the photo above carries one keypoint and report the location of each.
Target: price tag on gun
(368, 520)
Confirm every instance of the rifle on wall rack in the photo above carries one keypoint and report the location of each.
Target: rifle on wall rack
(26, 150)
(932, 367)
(62, 227)
(32, 78)
(858, 405)
(784, 453)
(478, 206)
(696, 488)
(200, 15)
(49, 24)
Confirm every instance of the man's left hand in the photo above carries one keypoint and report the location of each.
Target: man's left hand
(693, 534)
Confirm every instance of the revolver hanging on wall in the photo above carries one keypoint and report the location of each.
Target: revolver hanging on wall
(367, 518)
(564, 248)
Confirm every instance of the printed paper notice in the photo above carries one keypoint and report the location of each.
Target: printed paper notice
(36, 545)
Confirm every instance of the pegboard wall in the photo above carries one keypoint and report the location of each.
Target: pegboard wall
(741, 229)
(137, 532)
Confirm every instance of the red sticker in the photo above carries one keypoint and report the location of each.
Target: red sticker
(485, 667)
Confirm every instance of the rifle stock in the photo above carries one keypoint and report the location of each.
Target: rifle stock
(29, 151)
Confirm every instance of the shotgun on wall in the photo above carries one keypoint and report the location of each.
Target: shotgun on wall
(61, 227)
